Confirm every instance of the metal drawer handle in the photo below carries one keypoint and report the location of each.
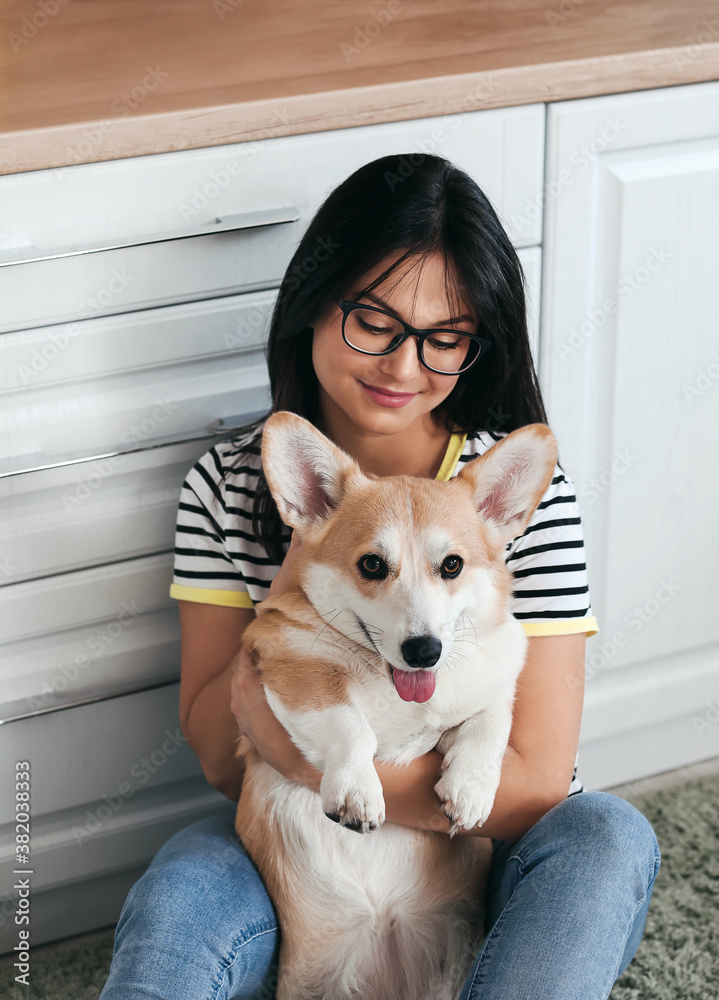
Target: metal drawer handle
(226, 224)
(39, 462)
(28, 708)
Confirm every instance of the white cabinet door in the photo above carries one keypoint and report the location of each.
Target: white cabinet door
(629, 363)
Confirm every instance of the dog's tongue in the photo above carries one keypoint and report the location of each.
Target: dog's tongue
(417, 685)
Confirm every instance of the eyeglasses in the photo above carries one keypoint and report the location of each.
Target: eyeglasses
(371, 330)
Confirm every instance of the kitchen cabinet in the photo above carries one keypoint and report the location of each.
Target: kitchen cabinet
(629, 363)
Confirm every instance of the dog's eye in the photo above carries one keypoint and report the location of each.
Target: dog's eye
(451, 567)
(372, 567)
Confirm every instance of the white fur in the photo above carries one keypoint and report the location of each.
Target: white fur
(379, 925)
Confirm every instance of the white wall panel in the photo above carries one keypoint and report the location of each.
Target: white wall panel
(96, 748)
(110, 783)
(144, 339)
(92, 512)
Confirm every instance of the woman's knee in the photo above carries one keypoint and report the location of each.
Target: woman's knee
(613, 829)
(619, 821)
(203, 871)
(199, 922)
(595, 832)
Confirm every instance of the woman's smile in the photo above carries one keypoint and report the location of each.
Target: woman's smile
(387, 396)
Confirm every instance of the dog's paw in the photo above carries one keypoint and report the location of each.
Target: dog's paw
(354, 801)
(466, 802)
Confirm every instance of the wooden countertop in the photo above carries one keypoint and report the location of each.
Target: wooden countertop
(90, 80)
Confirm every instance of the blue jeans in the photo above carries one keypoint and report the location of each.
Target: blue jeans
(565, 911)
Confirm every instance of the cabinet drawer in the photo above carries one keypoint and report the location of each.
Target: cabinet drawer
(79, 755)
(83, 635)
(130, 381)
(100, 204)
(85, 514)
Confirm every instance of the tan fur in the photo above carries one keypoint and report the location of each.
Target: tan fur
(301, 682)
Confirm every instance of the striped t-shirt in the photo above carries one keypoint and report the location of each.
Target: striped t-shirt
(219, 561)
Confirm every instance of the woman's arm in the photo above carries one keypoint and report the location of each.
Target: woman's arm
(211, 637)
(538, 765)
(210, 697)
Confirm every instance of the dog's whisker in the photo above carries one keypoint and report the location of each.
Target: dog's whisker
(475, 643)
(473, 624)
(351, 634)
(325, 626)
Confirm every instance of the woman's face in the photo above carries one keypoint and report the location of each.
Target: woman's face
(387, 393)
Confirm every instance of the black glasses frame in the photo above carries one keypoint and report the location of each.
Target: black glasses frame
(410, 331)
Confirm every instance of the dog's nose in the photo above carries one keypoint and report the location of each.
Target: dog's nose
(421, 651)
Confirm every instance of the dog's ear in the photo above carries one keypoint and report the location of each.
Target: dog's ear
(307, 474)
(509, 480)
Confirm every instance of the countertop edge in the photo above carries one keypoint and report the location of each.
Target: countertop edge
(142, 135)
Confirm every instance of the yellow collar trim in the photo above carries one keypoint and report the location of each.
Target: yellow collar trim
(451, 456)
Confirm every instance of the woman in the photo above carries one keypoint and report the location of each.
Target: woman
(349, 348)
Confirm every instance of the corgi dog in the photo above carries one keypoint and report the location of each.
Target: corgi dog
(398, 641)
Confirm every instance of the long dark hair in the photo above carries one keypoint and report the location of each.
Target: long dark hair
(407, 207)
